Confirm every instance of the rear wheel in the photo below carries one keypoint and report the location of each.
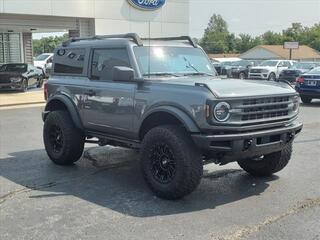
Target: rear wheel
(171, 164)
(63, 142)
(268, 164)
(306, 100)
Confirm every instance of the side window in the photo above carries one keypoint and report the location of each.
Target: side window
(69, 61)
(104, 60)
(286, 64)
(281, 64)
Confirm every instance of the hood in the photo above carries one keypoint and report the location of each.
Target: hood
(233, 88)
(262, 67)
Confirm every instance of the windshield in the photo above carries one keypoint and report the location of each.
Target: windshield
(241, 63)
(315, 71)
(175, 61)
(303, 65)
(269, 63)
(13, 68)
(42, 57)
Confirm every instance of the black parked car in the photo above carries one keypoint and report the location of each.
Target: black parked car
(20, 76)
(240, 69)
(296, 70)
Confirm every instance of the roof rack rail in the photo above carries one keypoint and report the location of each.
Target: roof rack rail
(186, 38)
(135, 37)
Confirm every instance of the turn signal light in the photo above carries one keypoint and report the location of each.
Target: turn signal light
(300, 80)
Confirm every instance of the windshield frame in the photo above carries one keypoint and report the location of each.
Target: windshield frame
(172, 74)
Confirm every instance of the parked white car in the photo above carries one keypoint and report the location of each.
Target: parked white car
(44, 61)
(270, 69)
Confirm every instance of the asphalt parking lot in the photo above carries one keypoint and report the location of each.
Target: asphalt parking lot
(103, 196)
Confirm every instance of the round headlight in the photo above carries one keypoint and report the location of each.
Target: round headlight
(296, 104)
(221, 111)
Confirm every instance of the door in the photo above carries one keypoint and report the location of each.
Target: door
(32, 76)
(108, 105)
(282, 65)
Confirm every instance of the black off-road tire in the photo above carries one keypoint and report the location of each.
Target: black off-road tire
(269, 164)
(272, 77)
(183, 155)
(306, 100)
(70, 148)
(242, 75)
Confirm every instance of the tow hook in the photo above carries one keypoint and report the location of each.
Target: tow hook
(247, 144)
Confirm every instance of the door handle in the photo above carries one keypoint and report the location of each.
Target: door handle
(90, 93)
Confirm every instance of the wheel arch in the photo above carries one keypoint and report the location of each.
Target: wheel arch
(164, 116)
(61, 102)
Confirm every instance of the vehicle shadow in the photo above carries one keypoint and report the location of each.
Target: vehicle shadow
(314, 103)
(120, 186)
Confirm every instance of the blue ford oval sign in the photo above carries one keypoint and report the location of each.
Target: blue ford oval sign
(147, 4)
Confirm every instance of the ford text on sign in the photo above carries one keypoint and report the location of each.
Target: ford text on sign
(147, 4)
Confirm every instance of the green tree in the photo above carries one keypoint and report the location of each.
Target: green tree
(47, 44)
(216, 37)
(272, 38)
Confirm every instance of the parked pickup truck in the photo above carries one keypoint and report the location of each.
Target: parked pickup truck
(161, 96)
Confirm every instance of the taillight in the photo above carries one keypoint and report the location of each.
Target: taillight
(45, 91)
(300, 80)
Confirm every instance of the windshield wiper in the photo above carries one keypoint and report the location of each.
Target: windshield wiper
(199, 74)
(160, 74)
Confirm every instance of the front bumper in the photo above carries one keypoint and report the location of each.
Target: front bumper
(258, 76)
(308, 92)
(11, 85)
(233, 147)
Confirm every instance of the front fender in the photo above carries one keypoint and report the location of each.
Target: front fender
(68, 104)
(183, 117)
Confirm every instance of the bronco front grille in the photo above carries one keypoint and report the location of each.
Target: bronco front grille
(261, 110)
(264, 108)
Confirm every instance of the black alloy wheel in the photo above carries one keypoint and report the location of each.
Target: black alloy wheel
(163, 165)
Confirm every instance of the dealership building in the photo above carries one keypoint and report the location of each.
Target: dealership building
(20, 18)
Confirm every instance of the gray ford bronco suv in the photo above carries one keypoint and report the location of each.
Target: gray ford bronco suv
(161, 96)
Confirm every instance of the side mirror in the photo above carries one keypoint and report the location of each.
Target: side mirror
(120, 73)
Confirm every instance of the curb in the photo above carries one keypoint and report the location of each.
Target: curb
(21, 104)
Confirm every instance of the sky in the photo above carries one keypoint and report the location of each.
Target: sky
(253, 17)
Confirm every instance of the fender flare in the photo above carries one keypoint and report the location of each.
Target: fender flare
(183, 117)
(70, 106)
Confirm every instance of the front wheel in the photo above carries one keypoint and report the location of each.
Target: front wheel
(242, 75)
(171, 164)
(268, 164)
(63, 142)
(306, 100)
(272, 77)
(24, 85)
(40, 82)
